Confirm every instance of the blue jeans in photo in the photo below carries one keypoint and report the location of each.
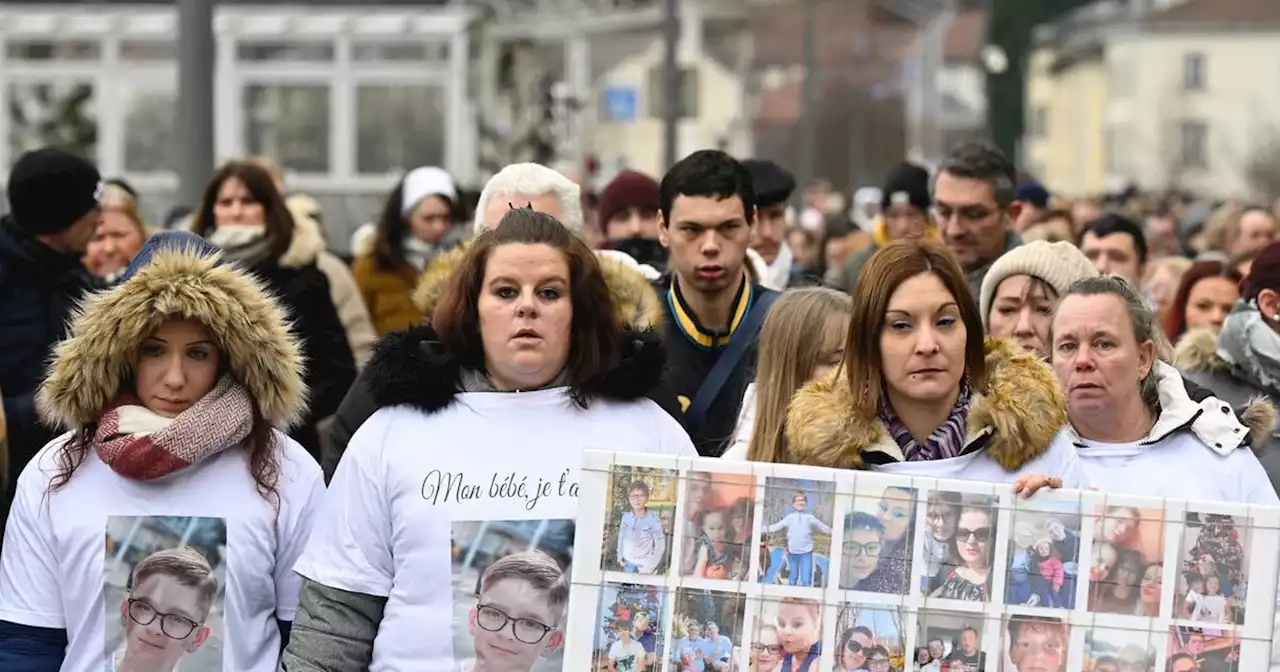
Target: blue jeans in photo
(801, 568)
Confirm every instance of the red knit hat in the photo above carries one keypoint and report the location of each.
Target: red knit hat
(628, 190)
(1265, 272)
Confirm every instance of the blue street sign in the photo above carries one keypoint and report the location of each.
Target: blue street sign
(620, 103)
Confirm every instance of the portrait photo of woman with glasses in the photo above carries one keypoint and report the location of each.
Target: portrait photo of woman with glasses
(869, 640)
(876, 552)
(965, 573)
(162, 584)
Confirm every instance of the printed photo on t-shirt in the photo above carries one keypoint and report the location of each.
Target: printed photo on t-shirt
(1119, 650)
(1035, 644)
(795, 539)
(510, 594)
(959, 546)
(1202, 650)
(1044, 554)
(640, 517)
(955, 640)
(629, 629)
(706, 633)
(1126, 571)
(164, 590)
(871, 639)
(716, 525)
(788, 634)
(875, 556)
(1214, 569)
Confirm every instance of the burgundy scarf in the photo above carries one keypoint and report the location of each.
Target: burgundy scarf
(141, 445)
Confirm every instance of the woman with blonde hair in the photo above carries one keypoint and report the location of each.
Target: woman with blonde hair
(802, 339)
(118, 237)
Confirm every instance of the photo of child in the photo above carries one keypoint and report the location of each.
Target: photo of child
(707, 630)
(796, 538)
(955, 641)
(628, 628)
(510, 591)
(1202, 650)
(869, 640)
(164, 593)
(1118, 650)
(641, 506)
(1035, 644)
(876, 552)
(964, 548)
(717, 525)
(1214, 574)
(1128, 561)
(1044, 558)
(788, 635)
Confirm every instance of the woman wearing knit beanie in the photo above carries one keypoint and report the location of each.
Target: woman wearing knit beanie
(1021, 289)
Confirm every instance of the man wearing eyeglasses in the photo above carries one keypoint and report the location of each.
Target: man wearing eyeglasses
(516, 620)
(163, 616)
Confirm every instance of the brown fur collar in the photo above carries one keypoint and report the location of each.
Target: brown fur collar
(635, 303)
(1021, 411)
(1197, 350)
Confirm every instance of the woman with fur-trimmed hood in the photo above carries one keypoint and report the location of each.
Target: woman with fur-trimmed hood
(523, 367)
(635, 303)
(171, 388)
(244, 214)
(920, 393)
(1241, 365)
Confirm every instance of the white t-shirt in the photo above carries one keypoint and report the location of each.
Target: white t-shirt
(387, 523)
(1178, 466)
(54, 571)
(1059, 460)
(628, 658)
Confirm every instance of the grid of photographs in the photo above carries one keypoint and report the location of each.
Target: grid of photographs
(700, 565)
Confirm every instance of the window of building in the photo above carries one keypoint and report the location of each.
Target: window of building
(1039, 121)
(285, 52)
(149, 137)
(64, 114)
(399, 127)
(1194, 144)
(656, 88)
(1193, 72)
(289, 122)
(53, 50)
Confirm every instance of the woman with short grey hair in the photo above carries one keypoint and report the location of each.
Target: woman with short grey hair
(1138, 427)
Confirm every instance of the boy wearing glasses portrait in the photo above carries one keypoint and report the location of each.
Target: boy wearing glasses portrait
(517, 617)
(861, 551)
(163, 615)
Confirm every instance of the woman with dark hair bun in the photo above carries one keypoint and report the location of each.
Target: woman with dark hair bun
(524, 365)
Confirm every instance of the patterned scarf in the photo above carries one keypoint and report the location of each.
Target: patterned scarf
(141, 445)
(945, 442)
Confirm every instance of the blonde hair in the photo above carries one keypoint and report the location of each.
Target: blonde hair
(788, 353)
(184, 565)
(118, 199)
(1222, 228)
(1175, 265)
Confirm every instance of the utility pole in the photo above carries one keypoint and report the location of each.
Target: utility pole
(808, 100)
(196, 56)
(670, 82)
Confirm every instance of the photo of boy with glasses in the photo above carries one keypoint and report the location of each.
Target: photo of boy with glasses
(518, 617)
(164, 613)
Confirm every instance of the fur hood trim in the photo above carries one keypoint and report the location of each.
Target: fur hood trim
(307, 242)
(1018, 416)
(635, 303)
(413, 368)
(250, 326)
(1197, 350)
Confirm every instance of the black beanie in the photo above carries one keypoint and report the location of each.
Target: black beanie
(50, 189)
(908, 183)
(772, 183)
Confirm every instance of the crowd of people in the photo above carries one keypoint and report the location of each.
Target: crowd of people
(956, 323)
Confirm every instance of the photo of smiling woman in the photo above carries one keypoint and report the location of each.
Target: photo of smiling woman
(164, 595)
(876, 553)
(792, 634)
(965, 574)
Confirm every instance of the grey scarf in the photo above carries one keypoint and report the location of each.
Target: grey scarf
(1251, 346)
(245, 244)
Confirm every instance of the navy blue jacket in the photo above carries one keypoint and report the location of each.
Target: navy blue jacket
(39, 287)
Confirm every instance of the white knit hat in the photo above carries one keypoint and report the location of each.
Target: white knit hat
(1059, 264)
(423, 182)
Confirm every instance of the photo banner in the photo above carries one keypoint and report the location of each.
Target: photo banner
(709, 565)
